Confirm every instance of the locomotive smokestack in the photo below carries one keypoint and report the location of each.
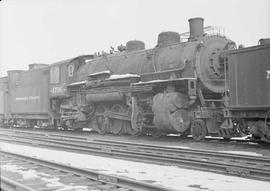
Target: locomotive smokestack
(195, 28)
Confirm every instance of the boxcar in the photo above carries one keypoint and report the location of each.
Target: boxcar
(249, 77)
(249, 90)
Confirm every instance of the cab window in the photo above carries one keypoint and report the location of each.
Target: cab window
(70, 70)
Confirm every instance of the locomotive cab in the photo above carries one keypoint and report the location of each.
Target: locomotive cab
(57, 90)
(66, 98)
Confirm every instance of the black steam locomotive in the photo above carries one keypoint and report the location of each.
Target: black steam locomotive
(202, 86)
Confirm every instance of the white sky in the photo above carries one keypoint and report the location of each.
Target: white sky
(46, 31)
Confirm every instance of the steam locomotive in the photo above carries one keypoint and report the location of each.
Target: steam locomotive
(201, 86)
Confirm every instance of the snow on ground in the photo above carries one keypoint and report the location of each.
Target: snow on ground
(230, 152)
(170, 176)
(77, 83)
(120, 76)
(241, 138)
(242, 153)
(87, 129)
(101, 72)
(177, 147)
(51, 182)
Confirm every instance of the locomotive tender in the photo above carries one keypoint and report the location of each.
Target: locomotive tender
(200, 86)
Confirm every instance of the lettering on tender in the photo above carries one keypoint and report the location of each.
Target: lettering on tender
(27, 98)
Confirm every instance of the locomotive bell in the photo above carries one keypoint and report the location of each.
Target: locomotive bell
(195, 28)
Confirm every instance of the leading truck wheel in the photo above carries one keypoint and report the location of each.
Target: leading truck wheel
(156, 133)
(198, 129)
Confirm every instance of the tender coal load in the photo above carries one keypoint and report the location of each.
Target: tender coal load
(14, 75)
(37, 66)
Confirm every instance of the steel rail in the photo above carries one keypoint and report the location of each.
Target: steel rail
(255, 170)
(90, 174)
(209, 140)
(11, 185)
(97, 143)
(182, 150)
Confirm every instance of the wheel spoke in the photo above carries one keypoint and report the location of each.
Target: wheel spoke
(99, 124)
(116, 125)
(156, 133)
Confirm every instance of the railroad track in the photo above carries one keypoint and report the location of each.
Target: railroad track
(209, 140)
(67, 176)
(224, 163)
